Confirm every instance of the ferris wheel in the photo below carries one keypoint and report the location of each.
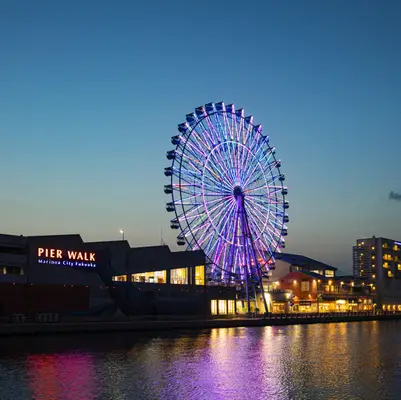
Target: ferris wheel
(227, 193)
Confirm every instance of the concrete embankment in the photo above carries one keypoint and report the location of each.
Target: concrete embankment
(16, 329)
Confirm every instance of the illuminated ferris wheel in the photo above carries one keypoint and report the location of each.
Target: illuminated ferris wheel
(227, 193)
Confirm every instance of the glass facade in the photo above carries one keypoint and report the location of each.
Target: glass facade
(213, 307)
(231, 306)
(121, 278)
(222, 307)
(200, 275)
(150, 277)
(179, 276)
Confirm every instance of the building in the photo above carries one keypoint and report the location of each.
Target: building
(378, 262)
(295, 262)
(63, 274)
(300, 284)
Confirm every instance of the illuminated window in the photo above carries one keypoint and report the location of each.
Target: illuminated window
(11, 271)
(150, 277)
(373, 247)
(316, 271)
(373, 257)
(390, 274)
(222, 307)
(385, 245)
(399, 267)
(179, 276)
(121, 278)
(385, 265)
(231, 307)
(387, 257)
(305, 286)
(213, 307)
(373, 276)
(396, 248)
(200, 275)
(328, 273)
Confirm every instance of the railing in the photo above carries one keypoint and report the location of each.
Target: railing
(321, 315)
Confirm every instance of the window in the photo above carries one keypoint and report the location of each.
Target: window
(328, 273)
(200, 275)
(387, 257)
(179, 276)
(396, 248)
(305, 286)
(399, 267)
(222, 307)
(11, 271)
(231, 306)
(150, 277)
(385, 265)
(316, 271)
(120, 278)
(213, 307)
(390, 274)
(385, 245)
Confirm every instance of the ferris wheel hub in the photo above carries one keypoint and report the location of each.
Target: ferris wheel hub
(238, 192)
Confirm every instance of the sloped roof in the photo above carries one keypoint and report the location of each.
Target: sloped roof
(304, 261)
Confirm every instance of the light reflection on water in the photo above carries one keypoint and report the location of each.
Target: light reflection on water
(331, 361)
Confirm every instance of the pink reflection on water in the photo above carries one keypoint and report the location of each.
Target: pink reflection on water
(61, 376)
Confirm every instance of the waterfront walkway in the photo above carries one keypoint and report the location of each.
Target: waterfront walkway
(14, 329)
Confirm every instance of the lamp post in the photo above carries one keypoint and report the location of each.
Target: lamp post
(122, 234)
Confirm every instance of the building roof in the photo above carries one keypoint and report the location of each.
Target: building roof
(303, 261)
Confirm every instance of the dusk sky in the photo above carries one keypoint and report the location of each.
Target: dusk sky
(92, 91)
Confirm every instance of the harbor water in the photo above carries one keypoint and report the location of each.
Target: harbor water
(355, 360)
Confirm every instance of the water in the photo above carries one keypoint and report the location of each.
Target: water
(332, 361)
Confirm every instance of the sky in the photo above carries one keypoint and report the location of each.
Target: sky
(92, 91)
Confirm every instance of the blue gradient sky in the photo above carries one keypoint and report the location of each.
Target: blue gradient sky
(92, 91)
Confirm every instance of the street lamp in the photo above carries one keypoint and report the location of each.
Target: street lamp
(122, 233)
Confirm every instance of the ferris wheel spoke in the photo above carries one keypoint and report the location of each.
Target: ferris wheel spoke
(194, 146)
(219, 166)
(257, 175)
(219, 182)
(220, 226)
(189, 145)
(188, 159)
(257, 179)
(248, 131)
(213, 129)
(256, 222)
(197, 136)
(226, 161)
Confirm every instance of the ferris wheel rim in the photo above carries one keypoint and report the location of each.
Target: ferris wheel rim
(182, 217)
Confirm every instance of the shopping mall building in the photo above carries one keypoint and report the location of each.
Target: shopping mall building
(63, 274)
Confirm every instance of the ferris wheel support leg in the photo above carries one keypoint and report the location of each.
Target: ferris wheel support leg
(240, 219)
(252, 248)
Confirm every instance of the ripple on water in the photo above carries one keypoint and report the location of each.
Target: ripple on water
(331, 361)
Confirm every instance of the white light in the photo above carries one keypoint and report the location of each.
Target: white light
(121, 231)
